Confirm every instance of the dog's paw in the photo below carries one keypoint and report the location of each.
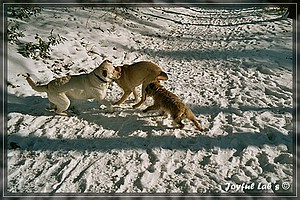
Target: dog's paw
(110, 109)
(108, 112)
(135, 105)
(116, 103)
(62, 113)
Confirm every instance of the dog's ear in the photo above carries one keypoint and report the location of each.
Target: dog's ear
(118, 68)
(104, 73)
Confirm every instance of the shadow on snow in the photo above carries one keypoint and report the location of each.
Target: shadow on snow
(238, 141)
(36, 106)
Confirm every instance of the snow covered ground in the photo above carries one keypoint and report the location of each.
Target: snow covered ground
(231, 66)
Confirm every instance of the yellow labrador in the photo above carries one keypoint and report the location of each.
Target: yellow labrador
(93, 85)
(136, 74)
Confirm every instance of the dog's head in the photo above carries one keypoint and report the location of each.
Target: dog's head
(118, 70)
(107, 71)
(152, 88)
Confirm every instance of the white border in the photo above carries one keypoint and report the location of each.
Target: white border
(154, 195)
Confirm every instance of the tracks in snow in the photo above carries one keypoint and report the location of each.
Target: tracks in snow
(221, 63)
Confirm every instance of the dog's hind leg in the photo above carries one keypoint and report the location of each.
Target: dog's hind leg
(135, 94)
(143, 95)
(61, 101)
(177, 120)
(51, 106)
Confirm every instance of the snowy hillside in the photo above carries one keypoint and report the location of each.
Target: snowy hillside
(231, 66)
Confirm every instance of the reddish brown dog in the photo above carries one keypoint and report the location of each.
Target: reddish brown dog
(168, 102)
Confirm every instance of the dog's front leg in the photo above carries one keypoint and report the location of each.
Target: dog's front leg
(108, 105)
(153, 107)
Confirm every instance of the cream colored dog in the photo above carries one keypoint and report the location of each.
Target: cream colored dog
(136, 74)
(168, 102)
(84, 86)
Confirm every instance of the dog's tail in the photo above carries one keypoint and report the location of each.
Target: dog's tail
(38, 88)
(162, 76)
(190, 115)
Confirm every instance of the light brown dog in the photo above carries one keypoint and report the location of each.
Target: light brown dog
(169, 103)
(93, 85)
(136, 74)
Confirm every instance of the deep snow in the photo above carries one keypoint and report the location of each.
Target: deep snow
(231, 66)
